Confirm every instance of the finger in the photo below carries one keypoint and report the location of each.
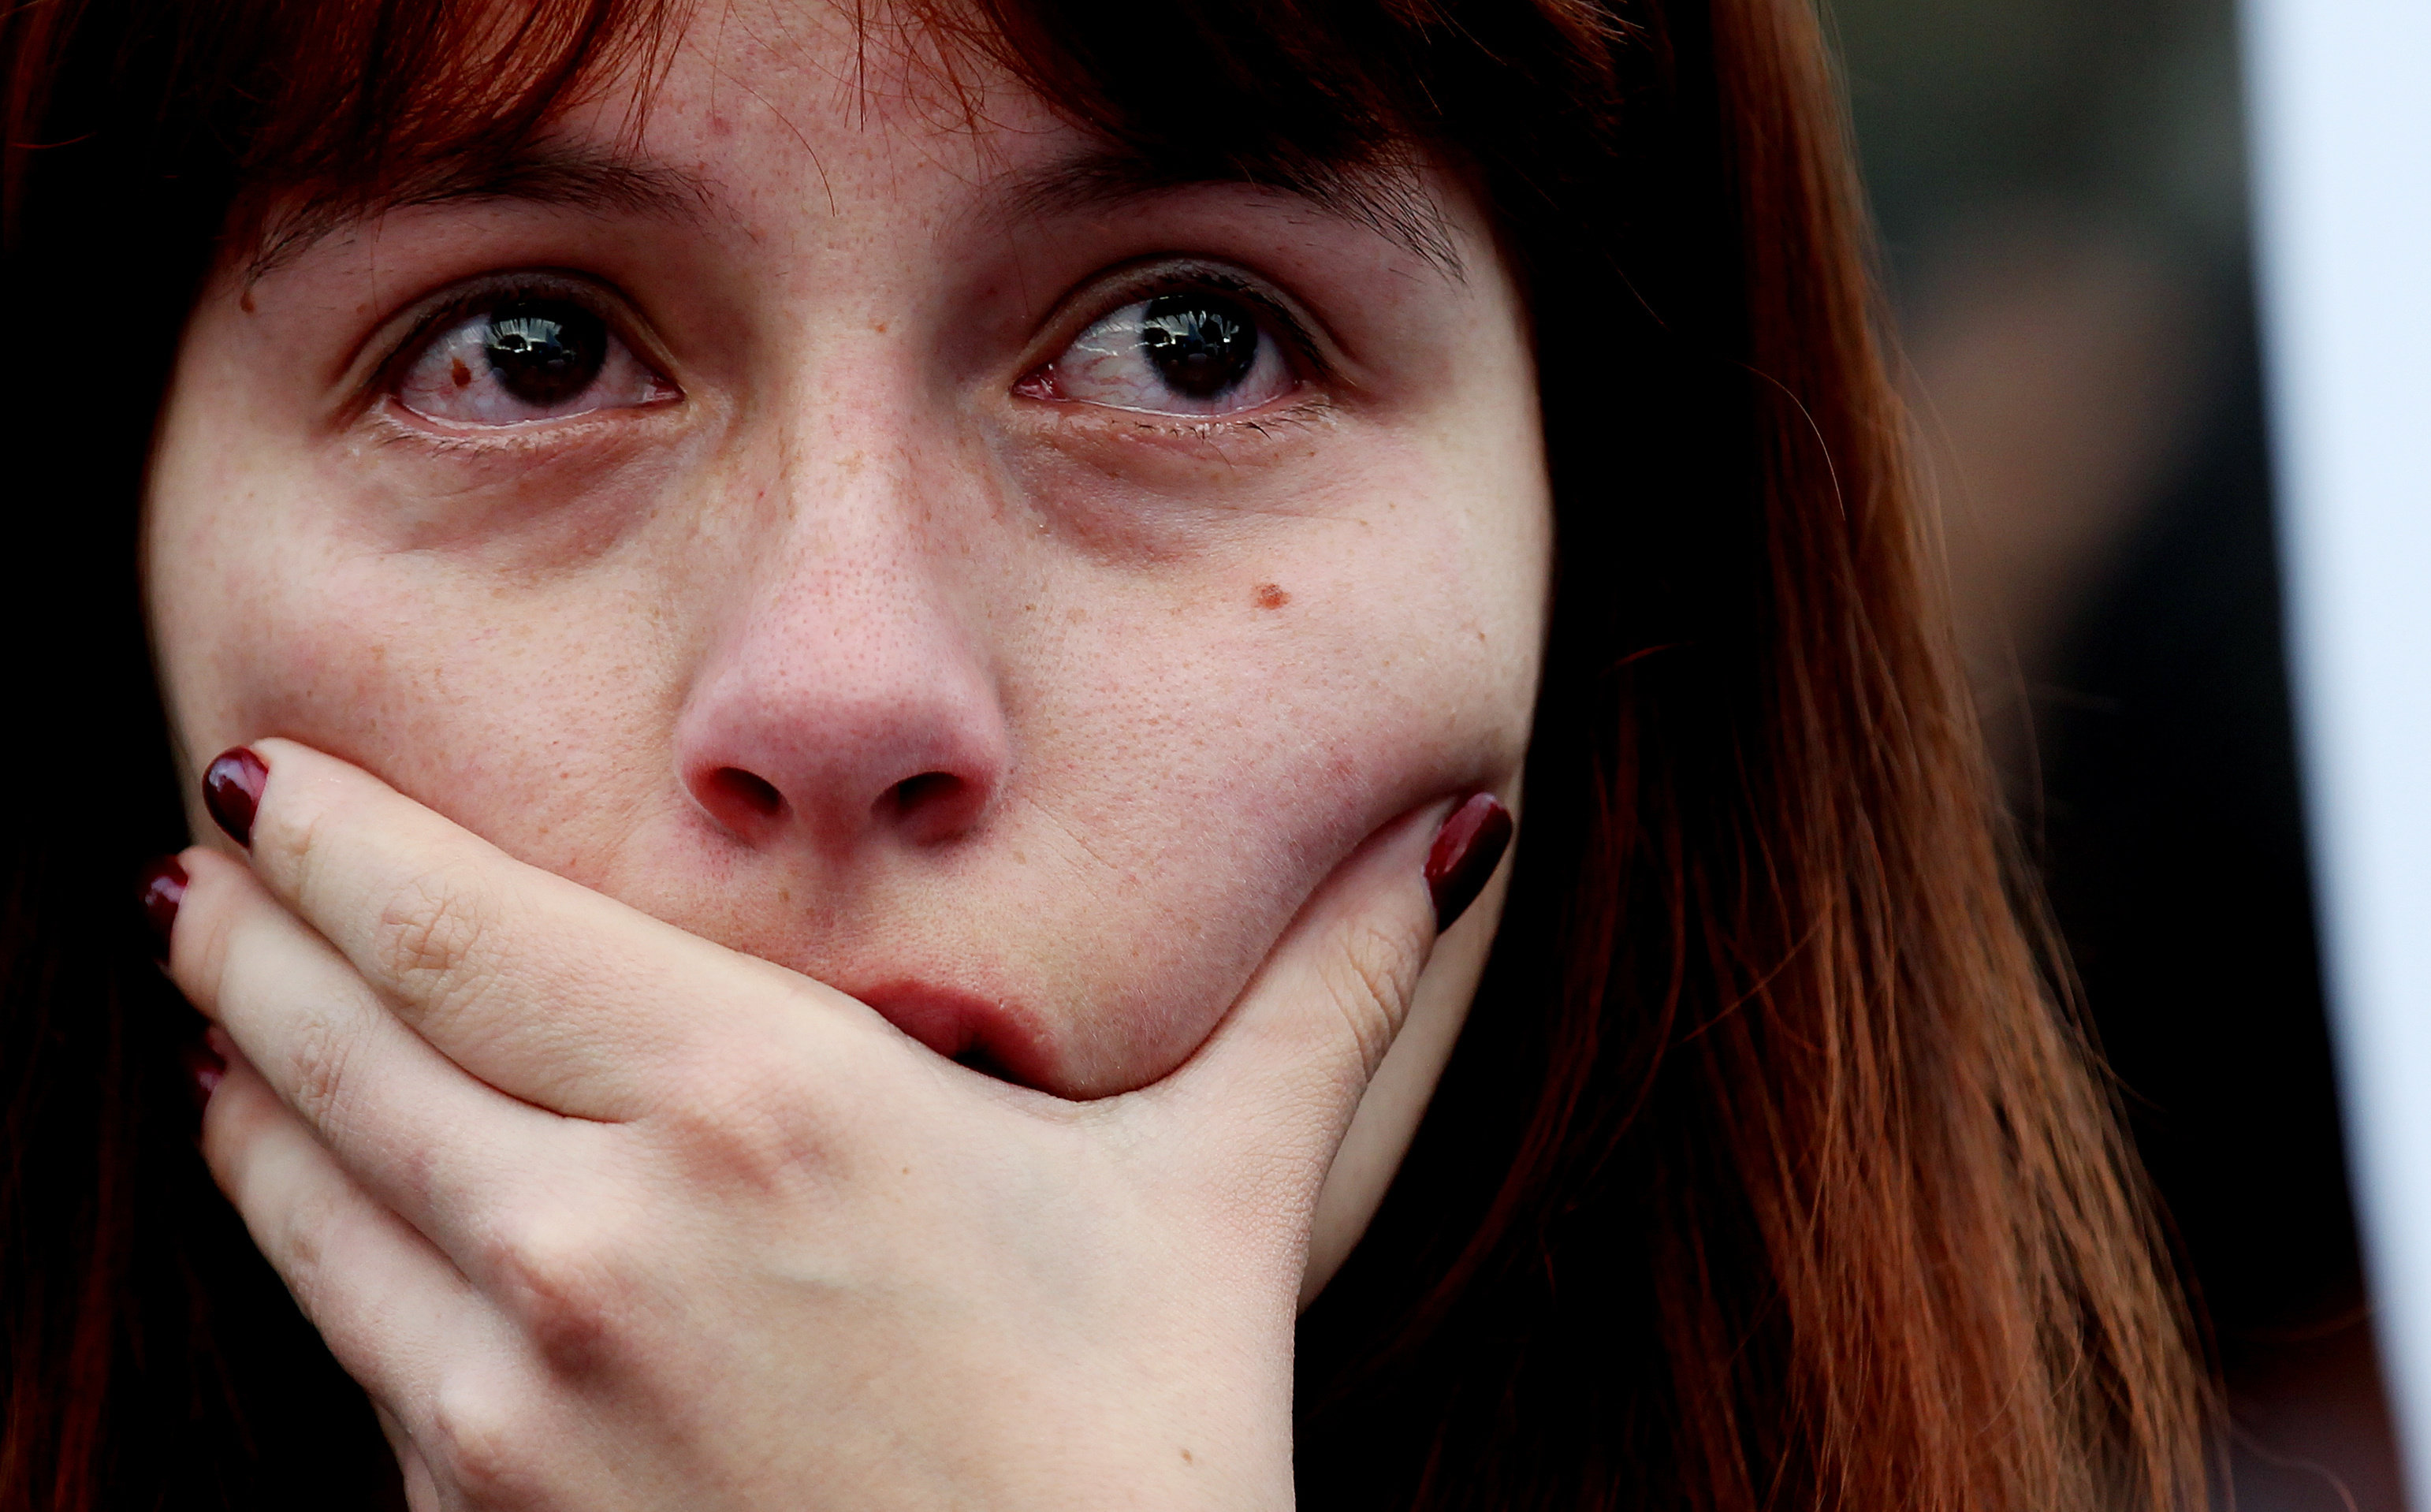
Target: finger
(388, 1303)
(429, 1141)
(543, 988)
(1289, 1063)
(421, 1488)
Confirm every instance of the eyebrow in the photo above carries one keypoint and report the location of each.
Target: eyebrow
(1387, 196)
(583, 177)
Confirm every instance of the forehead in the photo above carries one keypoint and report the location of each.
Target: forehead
(777, 96)
(771, 114)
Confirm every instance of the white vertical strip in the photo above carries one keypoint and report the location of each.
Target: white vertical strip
(2341, 100)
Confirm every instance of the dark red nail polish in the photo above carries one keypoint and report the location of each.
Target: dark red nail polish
(205, 1065)
(162, 888)
(1467, 851)
(232, 790)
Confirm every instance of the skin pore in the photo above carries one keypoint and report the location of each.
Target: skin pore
(810, 549)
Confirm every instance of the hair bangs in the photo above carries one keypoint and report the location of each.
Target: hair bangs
(314, 111)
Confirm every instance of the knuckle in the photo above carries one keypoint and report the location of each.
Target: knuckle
(480, 1439)
(286, 836)
(297, 1246)
(300, 842)
(752, 1138)
(319, 1067)
(1371, 982)
(430, 937)
(564, 1275)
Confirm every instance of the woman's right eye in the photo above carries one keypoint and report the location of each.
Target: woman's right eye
(520, 359)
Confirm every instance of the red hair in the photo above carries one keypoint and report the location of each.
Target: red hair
(1768, 1172)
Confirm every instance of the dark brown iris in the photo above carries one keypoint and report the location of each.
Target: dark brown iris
(546, 351)
(1202, 343)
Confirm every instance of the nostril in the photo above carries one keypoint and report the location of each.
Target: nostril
(932, 807)
(929, 790)
(746, 791)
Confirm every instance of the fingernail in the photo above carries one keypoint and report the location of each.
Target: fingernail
(162, 888)
(1467, 851)
(232, 790)
(205, 1065)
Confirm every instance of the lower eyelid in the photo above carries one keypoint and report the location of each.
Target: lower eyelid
(529, 444)
(622, 366)
(1304, 411)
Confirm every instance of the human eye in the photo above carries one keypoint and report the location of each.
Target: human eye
(513, 355)
(1202, 350)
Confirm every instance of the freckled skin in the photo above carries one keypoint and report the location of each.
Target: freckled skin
(849, 557)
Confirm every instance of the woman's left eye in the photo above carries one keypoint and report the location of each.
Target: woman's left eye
(519, 360)
(1197, 353)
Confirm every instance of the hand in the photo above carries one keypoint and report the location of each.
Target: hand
(605, 1216)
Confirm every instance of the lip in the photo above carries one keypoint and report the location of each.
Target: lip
(966, 1028)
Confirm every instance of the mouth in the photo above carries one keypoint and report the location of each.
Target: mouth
(987, 1035)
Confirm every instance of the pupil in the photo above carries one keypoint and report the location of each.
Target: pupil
(1202, 343)
(546, 351)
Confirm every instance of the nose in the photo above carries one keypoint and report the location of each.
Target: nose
(848, 706)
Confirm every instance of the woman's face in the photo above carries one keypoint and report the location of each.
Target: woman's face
(847, 528)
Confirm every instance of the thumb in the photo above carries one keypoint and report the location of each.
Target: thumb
(1299, 1044)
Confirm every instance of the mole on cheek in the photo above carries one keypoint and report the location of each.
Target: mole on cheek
(1270, 596)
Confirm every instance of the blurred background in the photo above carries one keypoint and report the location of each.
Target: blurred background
(2061, 191)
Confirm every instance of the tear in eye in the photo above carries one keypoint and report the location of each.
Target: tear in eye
(523, 360)
(1195, 353)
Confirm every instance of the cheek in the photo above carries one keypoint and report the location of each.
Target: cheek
(522, 717)
(296, 586)
(1227, 747)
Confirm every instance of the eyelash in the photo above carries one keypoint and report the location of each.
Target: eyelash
(1187, 276)
(1218, 279)
(488, 292)
(1159, 279)
(1072, 365)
